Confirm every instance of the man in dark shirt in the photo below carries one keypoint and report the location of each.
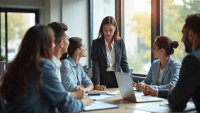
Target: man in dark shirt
(188, 85)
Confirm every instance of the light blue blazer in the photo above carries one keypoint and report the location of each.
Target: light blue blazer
(50, 95)
(170, 74)
(69, 72)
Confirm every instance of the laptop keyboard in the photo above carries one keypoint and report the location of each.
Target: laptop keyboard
(139, 98)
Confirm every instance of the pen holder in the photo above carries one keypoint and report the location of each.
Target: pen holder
(2, 67)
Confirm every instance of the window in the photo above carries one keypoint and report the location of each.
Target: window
(17, 23)
(175, 13)
(101, 9)
(137, 32)
(106, 1)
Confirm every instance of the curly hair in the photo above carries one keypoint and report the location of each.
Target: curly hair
(36, 44)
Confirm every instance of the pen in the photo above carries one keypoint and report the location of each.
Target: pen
(94, 94)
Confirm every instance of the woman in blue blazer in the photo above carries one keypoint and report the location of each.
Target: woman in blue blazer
(165, 70)
(30, 84)
(108, 55)
(72, 72)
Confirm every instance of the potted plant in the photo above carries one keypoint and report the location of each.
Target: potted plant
(1, 58)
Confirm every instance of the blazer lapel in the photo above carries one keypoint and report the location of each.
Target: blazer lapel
(156, 73)
(166, 68)
(116, 45)
(103, 47)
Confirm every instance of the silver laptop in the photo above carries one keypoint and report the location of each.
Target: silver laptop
(124, 81)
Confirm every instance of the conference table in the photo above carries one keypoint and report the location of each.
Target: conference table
(118, 100)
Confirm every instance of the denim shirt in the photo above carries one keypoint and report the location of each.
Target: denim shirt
(49, 96)
(73, 75)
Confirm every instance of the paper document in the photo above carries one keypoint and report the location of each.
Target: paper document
(113, 93)
(101, 97)
(156, 107)
(98, 105)
(97, 92)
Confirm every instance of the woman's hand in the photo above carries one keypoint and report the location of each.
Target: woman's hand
(100, 87)
(134, 84)
(78, 92)
(145, 91)
(148, 90)
(139, 86)
(87, 101)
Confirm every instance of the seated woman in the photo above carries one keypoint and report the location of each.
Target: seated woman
(72, 72)
(165, 70)
(30, 84)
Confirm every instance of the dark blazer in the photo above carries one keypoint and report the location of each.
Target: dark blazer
(99, 58)
(49, 96)
(163, 93)
(188, 85)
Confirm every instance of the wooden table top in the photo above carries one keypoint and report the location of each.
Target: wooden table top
(118, 100)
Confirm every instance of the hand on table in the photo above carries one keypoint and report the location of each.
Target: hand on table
(148, 90)
(139, 86)
(100, 87)
(169, 86)
(134, 84)
(87, 101)
(78, 92)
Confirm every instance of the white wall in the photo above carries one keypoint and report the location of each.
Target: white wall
(56, 10)
(75, 15)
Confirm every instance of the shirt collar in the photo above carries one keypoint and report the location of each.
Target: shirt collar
(56, 61)
(112, 44)
(71, 61)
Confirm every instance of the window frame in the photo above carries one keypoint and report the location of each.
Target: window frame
(20, 10)
(156, 23)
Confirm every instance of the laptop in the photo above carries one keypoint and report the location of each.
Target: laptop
(124, 81)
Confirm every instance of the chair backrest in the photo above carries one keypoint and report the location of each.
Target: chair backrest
(90, 73)
(2, 105)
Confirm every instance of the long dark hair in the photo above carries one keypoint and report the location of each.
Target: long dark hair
(75, 42)
(109, 20)
(166, 43)
(36, 44)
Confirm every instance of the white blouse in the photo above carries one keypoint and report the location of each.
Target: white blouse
(110, 56)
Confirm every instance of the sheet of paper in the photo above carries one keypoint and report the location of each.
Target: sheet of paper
(98, 105)
(160, 107)
(102, 97)
(113, 93)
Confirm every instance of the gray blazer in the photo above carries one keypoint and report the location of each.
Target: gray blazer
(51, 95)
(170, 74)
(99, 59)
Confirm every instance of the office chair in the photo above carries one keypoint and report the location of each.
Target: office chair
(2, 105)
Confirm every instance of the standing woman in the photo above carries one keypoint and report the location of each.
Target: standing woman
(108, 55)
(30, 84)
